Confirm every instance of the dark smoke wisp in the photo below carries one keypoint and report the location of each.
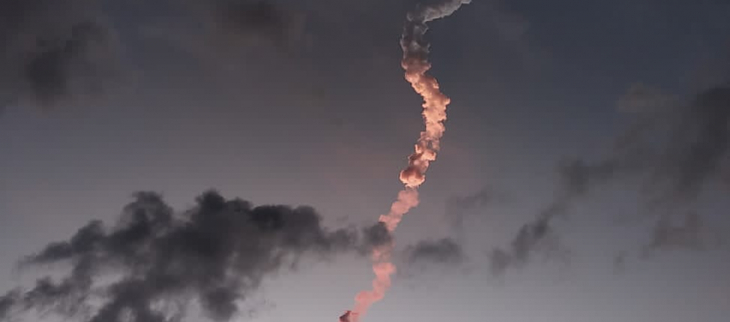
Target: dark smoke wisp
(673, 150)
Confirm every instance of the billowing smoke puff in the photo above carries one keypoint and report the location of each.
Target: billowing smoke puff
(215, 254)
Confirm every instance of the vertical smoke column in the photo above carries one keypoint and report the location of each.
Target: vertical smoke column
(415, 63)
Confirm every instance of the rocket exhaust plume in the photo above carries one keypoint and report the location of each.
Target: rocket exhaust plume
(415, 63)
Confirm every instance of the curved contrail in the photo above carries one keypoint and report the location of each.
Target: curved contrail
(415, 63)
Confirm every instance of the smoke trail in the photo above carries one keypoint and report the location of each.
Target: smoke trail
(415, 63)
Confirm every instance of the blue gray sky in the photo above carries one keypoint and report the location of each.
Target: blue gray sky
(583, 176)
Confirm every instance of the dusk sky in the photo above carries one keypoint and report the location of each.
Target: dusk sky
(228, 160)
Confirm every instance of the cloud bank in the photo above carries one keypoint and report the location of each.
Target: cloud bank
(154, 262)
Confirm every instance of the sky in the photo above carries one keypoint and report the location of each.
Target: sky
(227, 160)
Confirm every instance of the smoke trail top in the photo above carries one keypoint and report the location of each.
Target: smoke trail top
(439, 9)
(415, 63)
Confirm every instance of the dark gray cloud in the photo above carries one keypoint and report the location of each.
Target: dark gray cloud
(670, 232)
(54, 52)
(698, 145)
(672, 149)
(441, 251)
(459, 207)
(66, 53)
(255, 17)
(216, 253)
(377, 234)
(668, 235)
(7, 302)
(230, 24)
(536, 236)
(444, 255)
